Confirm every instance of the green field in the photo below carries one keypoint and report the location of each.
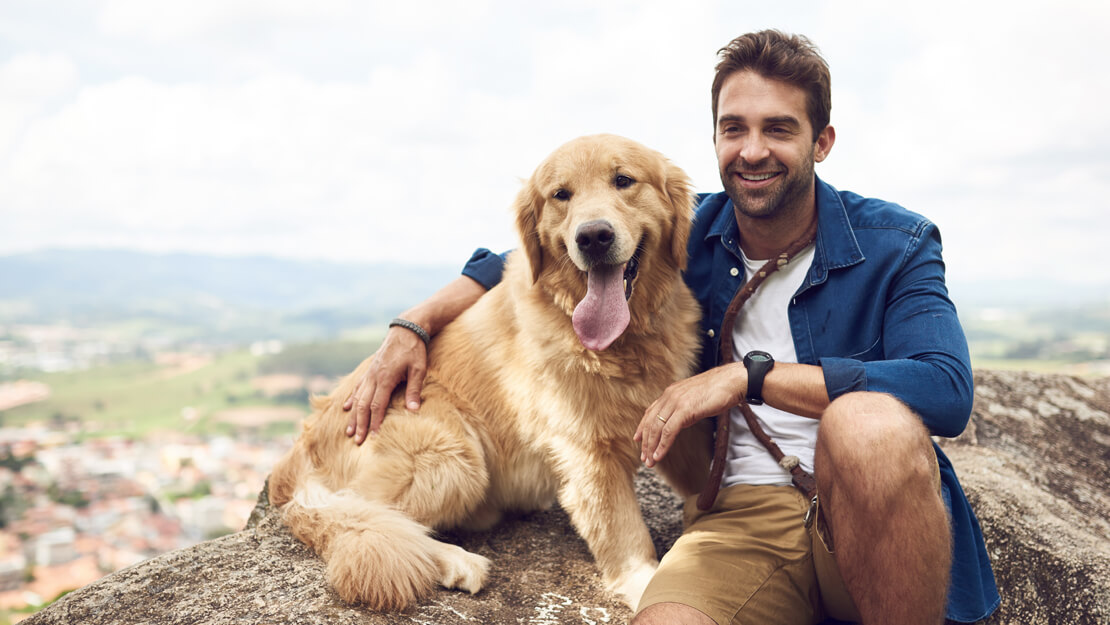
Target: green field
(1062, 342)
(140, 397)
(137, 398)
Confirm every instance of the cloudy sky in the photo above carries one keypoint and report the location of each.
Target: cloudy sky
(352, 130)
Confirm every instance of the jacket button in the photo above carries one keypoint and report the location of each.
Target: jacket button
(711, 333)
(734, 271)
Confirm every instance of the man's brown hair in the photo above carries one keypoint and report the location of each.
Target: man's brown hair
(792, 59)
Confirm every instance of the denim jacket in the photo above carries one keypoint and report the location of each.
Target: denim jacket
(875, 314)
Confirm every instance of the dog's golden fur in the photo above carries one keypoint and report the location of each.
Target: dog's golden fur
(516, 411)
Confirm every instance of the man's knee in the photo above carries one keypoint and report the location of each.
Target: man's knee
(867, 421)
(670, 613)
(864, 435)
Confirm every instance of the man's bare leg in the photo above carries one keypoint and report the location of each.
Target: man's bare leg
(671, 614)
(877, 482)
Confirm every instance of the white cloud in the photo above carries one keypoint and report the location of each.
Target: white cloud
(399, 131)
(239, 167)
(987, 119)
(163, 22)
(156, 21)
(29, 82)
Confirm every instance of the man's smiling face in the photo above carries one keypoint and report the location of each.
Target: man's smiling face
(766, 148)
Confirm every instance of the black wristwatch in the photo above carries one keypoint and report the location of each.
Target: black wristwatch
(758, 364)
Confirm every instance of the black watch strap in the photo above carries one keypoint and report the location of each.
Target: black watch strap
(758, 363)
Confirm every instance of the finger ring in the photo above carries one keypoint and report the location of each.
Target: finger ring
(661, 419)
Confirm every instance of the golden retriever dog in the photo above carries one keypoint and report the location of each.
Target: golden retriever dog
(533, 394)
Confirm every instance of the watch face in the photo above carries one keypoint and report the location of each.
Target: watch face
(758, 357)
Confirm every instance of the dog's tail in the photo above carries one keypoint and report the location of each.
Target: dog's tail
(375, 555)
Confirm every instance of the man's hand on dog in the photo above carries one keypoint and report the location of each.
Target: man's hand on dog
(402, 357)
(686, 402)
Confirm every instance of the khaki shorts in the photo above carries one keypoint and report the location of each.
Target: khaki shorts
(751, 559)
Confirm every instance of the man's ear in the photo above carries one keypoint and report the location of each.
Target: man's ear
(529, 202)
(825, 140)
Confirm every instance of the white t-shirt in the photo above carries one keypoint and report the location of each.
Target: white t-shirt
(763, 324)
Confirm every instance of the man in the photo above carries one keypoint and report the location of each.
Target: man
(851, 355)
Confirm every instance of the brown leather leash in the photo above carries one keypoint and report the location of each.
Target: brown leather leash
(802, 480)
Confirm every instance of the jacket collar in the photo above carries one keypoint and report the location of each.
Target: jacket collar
(836, 241)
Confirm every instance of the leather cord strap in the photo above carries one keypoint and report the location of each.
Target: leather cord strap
(802, 480)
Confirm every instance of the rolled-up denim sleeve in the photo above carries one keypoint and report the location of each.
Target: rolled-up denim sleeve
(843, 375)
(485, 267)
(925, 362)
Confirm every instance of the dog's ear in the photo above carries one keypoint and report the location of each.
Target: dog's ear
(676, 185)
(527, 207)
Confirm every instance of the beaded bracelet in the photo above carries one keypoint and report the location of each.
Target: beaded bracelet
(408, 325)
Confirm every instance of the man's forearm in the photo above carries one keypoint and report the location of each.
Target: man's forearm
(796, 388)
(445, 304)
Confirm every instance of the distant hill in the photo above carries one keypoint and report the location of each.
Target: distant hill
(222, 299)
(1029, 295)
(97, 287)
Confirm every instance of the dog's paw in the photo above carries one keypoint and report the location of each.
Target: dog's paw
(462, 570)
(632, 584)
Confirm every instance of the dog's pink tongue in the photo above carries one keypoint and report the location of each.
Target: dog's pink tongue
(602, 315)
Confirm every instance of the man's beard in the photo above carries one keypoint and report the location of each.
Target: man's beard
(774, 200)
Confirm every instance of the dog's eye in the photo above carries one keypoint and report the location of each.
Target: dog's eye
(623, 182)
(562, 195)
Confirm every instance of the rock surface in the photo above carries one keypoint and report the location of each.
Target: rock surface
(1034, 463)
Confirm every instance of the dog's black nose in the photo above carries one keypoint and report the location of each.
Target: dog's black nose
(594, 238)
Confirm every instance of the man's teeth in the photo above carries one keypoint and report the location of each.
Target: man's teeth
(757, 177)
